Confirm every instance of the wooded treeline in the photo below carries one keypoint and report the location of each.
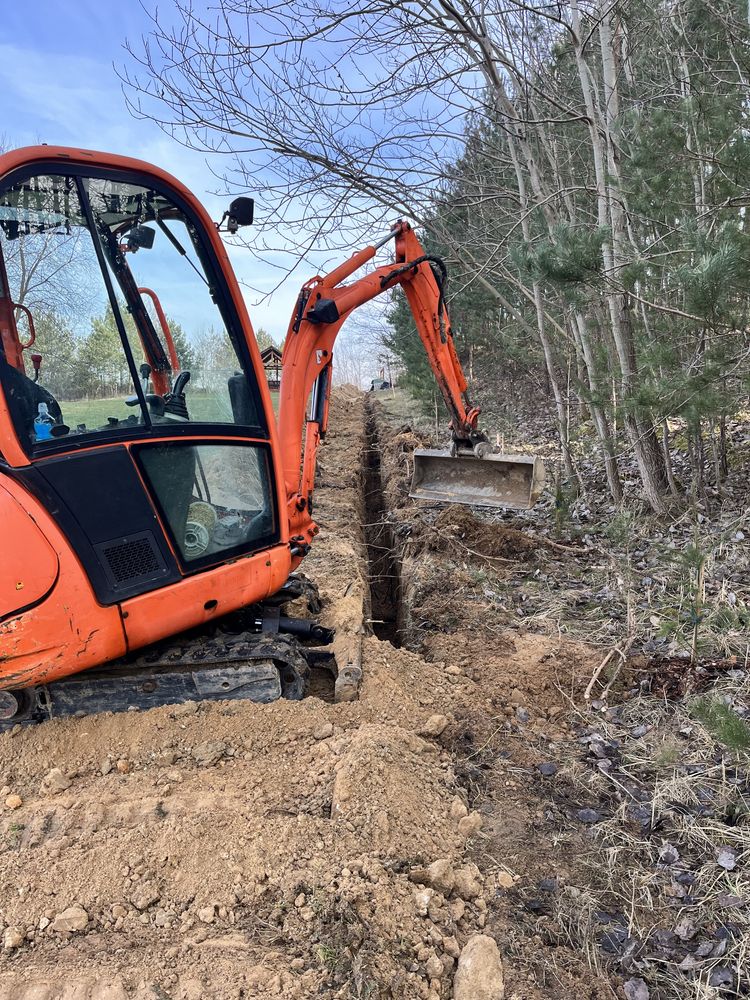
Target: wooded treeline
(582, 167)
(91, 364)
(615, 246)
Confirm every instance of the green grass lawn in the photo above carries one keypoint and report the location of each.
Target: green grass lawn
(94, 412)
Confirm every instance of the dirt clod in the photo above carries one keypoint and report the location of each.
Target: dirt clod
(435, 726)
(55, 781)
(439, 875)
(209, 753)
(467, 883)
(13, 937)
(469, 825)
(73, 918)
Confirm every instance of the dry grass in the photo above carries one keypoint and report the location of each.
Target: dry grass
(658, 902)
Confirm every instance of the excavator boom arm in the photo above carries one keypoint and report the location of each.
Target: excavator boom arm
(323, 307)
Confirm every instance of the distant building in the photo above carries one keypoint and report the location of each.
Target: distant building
(271, 358)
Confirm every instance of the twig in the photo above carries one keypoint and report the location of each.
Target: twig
(614, 651)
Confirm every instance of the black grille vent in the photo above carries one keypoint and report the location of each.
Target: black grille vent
(133, 559)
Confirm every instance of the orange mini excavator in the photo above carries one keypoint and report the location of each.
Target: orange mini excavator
(152, 507)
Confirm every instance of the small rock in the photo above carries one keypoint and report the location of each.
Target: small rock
(13, 938)
(469, 825)
(685, 929)
(458, 809)
(450, 946)
(435, 725)
(55, 781)
(44, 923)
(106, 766)
(668, 854)
(297, 964)
(123, 766)
(434, 967)
(479, 975)
(726, 857)
(14, 802)
(118, 910)
(722, 975)
(522, 714)
(422, 899)
(588, 816)
(324, 732)
(206, 914)
(185, 709)
(145, 896)
(163, 918)
(209, 753)
(636, 989)
(548, 769)
(467, 884)
(439, 875)
(70, 920)
(517, 697)
(505, 880)
(729, 901)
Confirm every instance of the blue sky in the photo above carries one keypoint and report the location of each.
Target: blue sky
(59, 85)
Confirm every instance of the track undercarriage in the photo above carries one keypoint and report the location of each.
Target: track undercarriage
(255, 654)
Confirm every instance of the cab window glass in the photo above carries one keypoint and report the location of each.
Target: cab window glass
(214, 498)
(59, 240)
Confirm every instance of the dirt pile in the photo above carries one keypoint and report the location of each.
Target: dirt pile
(457, 528)
(211, 849)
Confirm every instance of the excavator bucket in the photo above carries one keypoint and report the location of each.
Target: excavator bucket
(512, 481)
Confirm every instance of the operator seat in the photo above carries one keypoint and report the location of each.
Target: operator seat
(24, 396)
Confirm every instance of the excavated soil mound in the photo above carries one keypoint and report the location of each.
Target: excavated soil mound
(212, 849)
(458, 529)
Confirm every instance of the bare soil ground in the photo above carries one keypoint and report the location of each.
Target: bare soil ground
(232, 850)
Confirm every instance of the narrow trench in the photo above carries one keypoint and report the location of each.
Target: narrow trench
(382, 562)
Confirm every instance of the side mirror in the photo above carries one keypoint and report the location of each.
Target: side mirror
(240, 213)
(140, 238)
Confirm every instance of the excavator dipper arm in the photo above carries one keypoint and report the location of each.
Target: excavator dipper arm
(323, 307)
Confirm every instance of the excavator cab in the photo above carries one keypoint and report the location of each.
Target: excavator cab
(116, 266)
(152, 507)
(140, 485)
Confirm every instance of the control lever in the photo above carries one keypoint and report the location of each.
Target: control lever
(155, 403)
(145, 370)
(174, 401)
